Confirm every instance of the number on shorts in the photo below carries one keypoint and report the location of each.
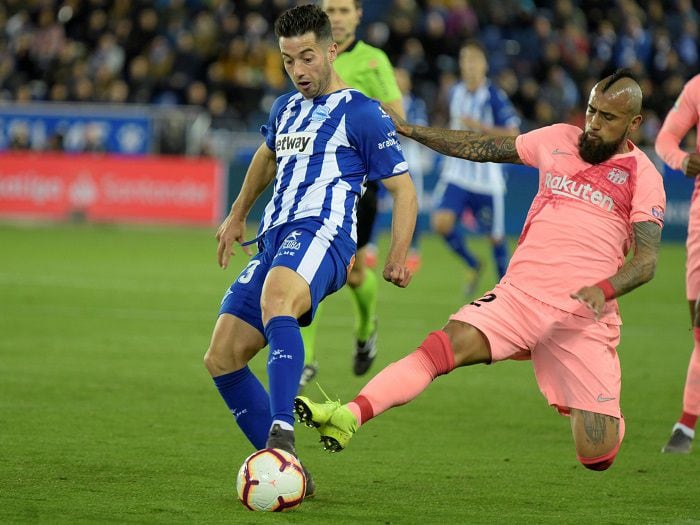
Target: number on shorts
(485, 299)
(247, 273)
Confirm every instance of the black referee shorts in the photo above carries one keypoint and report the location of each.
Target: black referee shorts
(366, 213)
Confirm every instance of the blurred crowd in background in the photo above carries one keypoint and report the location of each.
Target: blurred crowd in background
(222, 55)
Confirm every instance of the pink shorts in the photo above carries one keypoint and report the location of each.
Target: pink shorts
(692, 244)
(574, 358)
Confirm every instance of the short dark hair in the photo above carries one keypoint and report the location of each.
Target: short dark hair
(473, 43)
(358, 4)
(304, 19)
(618, 75)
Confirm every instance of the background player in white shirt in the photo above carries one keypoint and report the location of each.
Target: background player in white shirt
(479, 188)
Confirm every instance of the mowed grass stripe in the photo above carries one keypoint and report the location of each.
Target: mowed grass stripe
(108, 416)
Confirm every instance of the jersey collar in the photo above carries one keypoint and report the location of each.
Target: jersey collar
(352, 46)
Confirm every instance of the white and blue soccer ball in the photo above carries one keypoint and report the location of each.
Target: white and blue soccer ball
(271, 480)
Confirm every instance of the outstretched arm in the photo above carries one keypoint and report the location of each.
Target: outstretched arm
(261, 171)
(497, 131)
(456, 143)
(638, 270)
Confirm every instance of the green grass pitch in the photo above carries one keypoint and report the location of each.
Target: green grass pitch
(107, 414)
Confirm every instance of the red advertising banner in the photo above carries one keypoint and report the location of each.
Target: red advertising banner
(111, 188)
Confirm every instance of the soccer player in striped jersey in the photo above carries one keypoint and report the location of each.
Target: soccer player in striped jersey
(685, 116)
(475, 105)
(322, 143)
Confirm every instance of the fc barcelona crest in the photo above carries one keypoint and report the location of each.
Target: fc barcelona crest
(617, 176)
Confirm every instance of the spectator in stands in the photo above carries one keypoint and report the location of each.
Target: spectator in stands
(141, 84)
(158, 48)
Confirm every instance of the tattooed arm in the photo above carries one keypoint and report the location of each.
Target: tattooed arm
(456, 143)
(642, 265)
(636, 271)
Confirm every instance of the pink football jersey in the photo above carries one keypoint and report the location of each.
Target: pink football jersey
(683, 116)
(579, 227)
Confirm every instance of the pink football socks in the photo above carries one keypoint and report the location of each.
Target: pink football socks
(403, 380)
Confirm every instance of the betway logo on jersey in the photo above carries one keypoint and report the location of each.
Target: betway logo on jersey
(578, 190)
(299, 143)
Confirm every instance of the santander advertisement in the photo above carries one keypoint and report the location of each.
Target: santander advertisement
(111, 188)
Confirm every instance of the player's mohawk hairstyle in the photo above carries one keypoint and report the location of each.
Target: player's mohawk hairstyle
(617, 75)
(304, 19)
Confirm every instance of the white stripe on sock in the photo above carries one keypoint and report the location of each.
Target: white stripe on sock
(686, 430)
(283, 424)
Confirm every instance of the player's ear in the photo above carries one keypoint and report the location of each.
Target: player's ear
(635, 122)
(332, 51)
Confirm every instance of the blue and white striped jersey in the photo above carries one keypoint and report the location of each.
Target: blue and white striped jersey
(327, 148)
(491, 107)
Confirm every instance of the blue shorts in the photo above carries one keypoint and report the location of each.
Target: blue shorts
(321, 255)
(487, 209)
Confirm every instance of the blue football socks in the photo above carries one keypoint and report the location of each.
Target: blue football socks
(249, 403)
(284, 365)
(500, 255)
(455, 240)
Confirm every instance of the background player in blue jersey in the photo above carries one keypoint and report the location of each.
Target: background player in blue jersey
(419, 158)
(322, 144)
(465, 186)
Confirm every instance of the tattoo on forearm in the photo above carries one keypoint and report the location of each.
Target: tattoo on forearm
(467, 144)
(640, 268)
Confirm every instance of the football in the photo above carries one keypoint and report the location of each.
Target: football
(271, 480)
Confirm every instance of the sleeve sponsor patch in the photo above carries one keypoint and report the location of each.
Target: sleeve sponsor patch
(657, 212)
(390, 141)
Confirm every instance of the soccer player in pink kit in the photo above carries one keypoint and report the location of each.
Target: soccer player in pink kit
(684, 116)
(599, 196)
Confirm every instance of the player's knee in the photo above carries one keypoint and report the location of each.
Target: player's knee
(211, 362)
(597, 464)
(601, 462)
(441, 229)
(468, 344)
(442, 222)
(356, 276)
(218, 362)
(597, 438)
